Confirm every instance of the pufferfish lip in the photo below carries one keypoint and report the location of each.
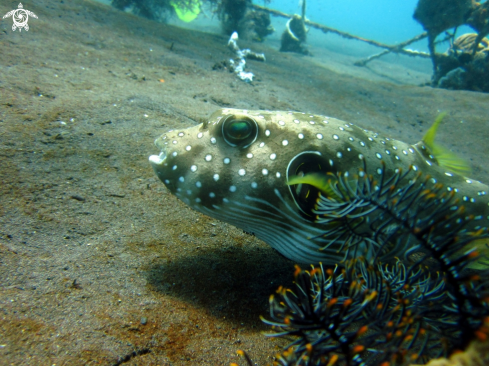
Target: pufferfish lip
(159, 160)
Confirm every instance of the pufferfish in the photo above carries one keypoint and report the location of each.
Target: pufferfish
(261, 171)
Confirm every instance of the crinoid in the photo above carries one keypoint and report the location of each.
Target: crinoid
(395, 215)
(374, 315)
(425, 301)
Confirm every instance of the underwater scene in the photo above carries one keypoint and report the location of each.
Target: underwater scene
(244, 182)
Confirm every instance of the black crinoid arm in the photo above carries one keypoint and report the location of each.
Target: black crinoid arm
(408, 298)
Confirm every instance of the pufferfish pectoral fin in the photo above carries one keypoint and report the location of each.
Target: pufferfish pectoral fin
(320, 181)
(445, 157)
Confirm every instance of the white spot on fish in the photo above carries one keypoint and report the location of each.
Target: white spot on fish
(281, 123)
(404, 152)
(181, 134)
(339, 154)
(232, 189)
(212, 195)
(188, 148)
(285, 142)
(379, 171)
(198, 200)
(449, 174)
(311, 122)
(341, 128)
(264, 171)
(319, 136)
(174, 167)
(262, 144)
(167, 181)
(249, 155)
(174, 153)
(174, 142)
(226, 160)
(296, 121)
(215, 177)
(378, 156)
(468, 181)
(351, 138)
(267, 133)
(242, 172)
(199, 135)
(213, 140)
(208, 157)
(198, 184)
(273, 156)
(336, 137)
(331, 162)
(254, 185)
(301, 136)
(362, 143)
(277, 174)
(193, 168)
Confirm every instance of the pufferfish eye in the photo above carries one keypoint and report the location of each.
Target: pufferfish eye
(239, 131)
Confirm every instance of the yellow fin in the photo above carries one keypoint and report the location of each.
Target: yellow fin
(319, 180)
(187, 15)
(445, 157)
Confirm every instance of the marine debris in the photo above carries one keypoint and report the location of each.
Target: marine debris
(295, 33)
(466, 63)
(240, 16)
(398, 48)
(160, 10)
(238, 65)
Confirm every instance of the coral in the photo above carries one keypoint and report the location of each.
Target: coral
(475, 355)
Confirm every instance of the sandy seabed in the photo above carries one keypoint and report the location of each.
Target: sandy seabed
(99, 264)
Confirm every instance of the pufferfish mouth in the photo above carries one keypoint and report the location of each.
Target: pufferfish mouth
(158, 160)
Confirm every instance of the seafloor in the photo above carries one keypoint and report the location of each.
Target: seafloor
(99, 264)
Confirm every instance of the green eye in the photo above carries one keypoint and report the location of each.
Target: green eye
(239, 130)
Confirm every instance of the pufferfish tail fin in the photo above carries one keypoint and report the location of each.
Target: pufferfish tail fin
(445, 157)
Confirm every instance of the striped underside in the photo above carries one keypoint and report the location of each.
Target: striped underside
(284, 230)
